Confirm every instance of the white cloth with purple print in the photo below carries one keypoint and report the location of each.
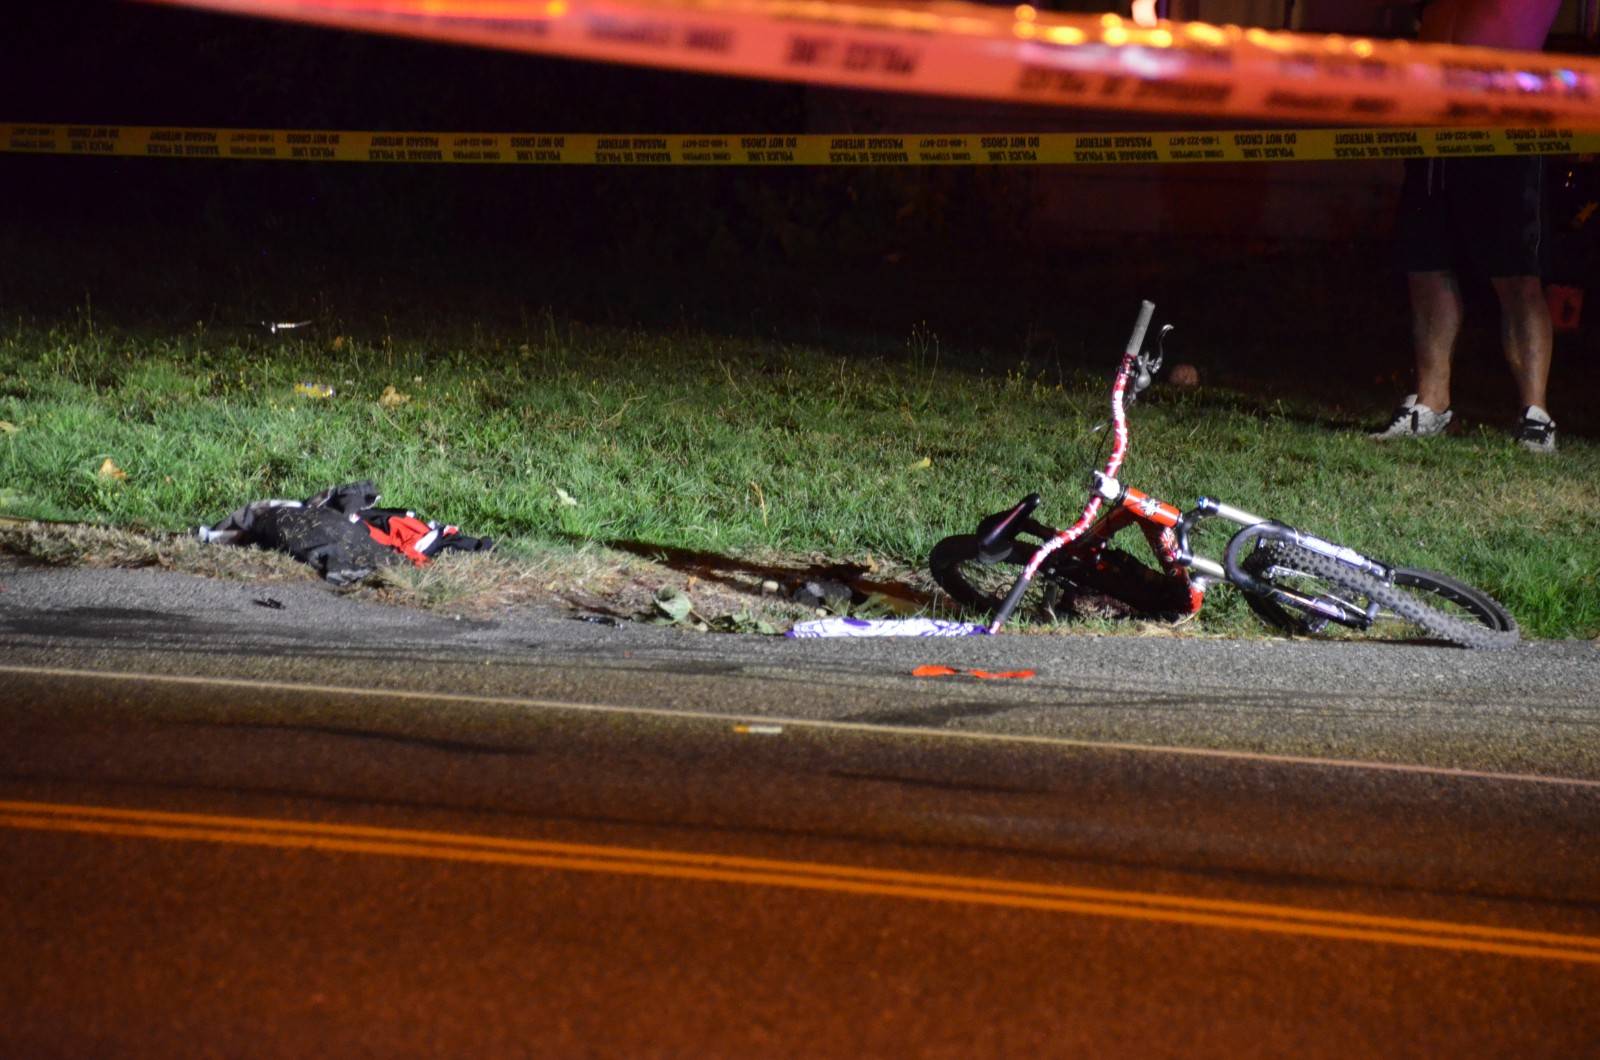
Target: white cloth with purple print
(886, 627)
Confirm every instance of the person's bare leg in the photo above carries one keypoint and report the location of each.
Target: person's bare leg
(1435, 323)
(1525, 334)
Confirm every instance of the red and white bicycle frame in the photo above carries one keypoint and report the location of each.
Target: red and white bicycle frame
(1164, 526)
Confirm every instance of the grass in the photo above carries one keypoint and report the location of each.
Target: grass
(609, 446)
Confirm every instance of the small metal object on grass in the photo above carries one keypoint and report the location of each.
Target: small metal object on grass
(823, 592)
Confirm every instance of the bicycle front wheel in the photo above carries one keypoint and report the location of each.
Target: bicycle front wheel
(1418, 603)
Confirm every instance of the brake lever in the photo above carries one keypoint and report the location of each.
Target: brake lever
(1149, 365)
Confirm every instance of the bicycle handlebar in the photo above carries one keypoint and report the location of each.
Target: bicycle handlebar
(1011, 601)
(1147, 310)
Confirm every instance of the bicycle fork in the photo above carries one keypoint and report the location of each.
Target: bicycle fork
(1257, 529)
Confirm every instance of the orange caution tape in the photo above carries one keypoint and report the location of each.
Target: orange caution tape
(1015, 54)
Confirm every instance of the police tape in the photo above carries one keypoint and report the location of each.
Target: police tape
(1012, 54)
(810, 149)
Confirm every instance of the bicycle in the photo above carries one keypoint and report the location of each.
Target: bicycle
(1294, 581)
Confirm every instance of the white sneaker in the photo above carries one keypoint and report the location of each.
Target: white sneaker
(1537, 431)
(1412, 420)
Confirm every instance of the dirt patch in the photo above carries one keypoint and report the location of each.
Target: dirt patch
(624, 581)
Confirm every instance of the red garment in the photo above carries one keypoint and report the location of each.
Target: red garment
(408, 536)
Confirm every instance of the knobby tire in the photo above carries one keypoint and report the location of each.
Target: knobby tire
(1491, 627)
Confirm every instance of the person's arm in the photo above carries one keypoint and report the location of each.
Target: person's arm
(1520, 25)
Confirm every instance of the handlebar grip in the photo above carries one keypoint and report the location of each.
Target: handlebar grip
(1147, 309)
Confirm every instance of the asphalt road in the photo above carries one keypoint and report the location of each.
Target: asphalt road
(322, 827)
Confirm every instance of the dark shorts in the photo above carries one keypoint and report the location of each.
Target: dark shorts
(1480, 215)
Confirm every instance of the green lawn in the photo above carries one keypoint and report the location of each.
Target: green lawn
(559, 433)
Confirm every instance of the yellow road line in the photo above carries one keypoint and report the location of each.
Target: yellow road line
(392, 694)
(800, 875)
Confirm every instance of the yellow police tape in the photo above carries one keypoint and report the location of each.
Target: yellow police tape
(810, 149)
